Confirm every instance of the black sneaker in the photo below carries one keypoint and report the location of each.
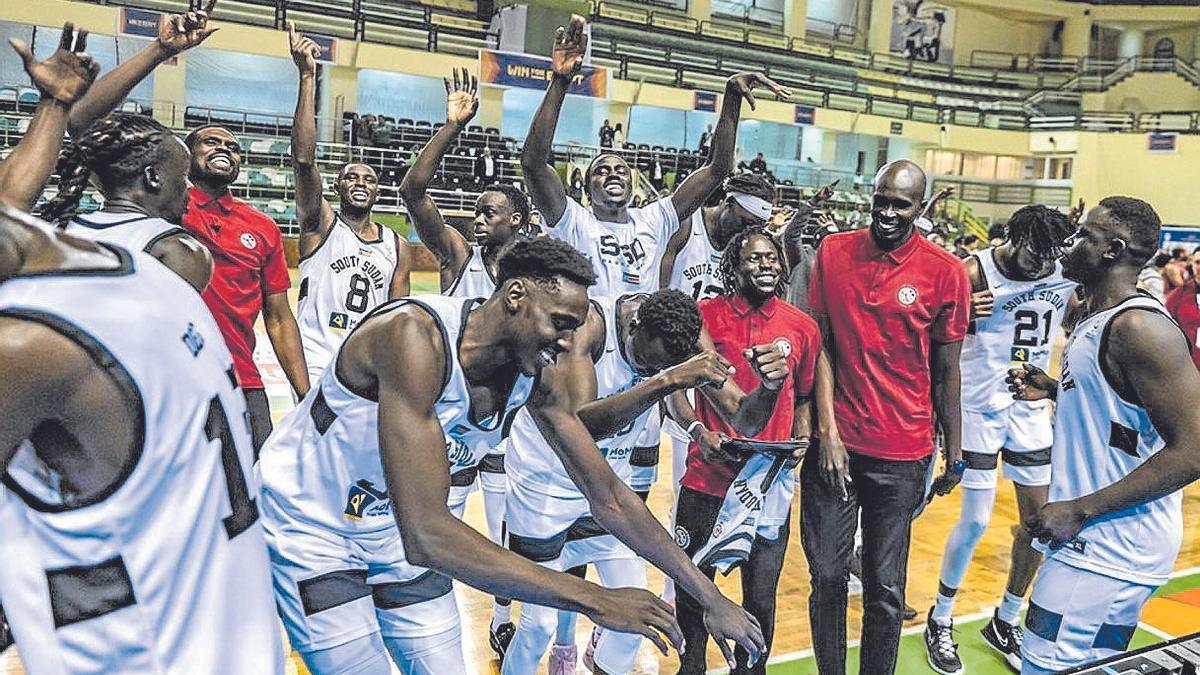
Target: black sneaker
(908, 613)
(500, 637)
(1006, 639)
(940, 647)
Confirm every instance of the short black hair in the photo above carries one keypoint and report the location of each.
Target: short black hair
(1043, 228)
(732, 255)
(751, 184)
(194, 135)
(997, 231)
(673, 317)
(1141, 221)
(516, 199)
(544, 260)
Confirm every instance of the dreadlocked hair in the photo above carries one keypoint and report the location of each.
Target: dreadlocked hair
(115, 148)
(731, 257)
(751, 184)
(544, 261)
(673, 317)
(1041, 228)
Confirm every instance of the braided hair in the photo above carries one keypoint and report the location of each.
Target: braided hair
(731, 258)
(116, 148)
(1041, 228)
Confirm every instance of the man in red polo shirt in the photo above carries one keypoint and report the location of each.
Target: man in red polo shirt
(1183, 306)
(249, 271)
(749, 316)
(893, 311)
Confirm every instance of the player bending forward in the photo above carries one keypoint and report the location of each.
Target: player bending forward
(426, 383)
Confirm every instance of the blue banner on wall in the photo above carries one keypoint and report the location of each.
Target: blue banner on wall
(533, 72)
(705, 101)
(1188, 237)
(328, 47)
(138, 22)
(806, 114)
(1162, 141)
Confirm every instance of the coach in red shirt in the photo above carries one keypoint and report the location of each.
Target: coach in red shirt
(893, 311)
(250, 271)
(1182, 304)
(752, 316)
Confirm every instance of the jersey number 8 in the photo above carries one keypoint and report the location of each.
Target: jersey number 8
(357, 298)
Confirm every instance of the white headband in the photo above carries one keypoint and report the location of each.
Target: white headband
(757, 206)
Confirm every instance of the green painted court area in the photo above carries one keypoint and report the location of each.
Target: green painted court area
(978, 658)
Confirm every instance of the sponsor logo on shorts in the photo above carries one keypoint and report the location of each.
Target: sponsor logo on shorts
(248, 240)
(1077, 545)
(907, 295)
(682, 538)
(364, 500)
(339, 320)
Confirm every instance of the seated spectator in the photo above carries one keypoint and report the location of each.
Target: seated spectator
(759, 165)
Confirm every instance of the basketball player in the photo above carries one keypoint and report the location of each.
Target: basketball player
(141, 169)
(632, 351)
(1126, 441)
(348, 263)
(132, 540)
(249, 270)
(501, 212)
(350, 587)
(469, 271)
(624, 244)
(60, 80)
(1019, 299)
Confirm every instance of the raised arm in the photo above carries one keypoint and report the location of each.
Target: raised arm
(666, 266)
(549, 196)
(1148, 356)
(445, 243)
(794, 232)
(61, 79)
(312, 211)
(690, 194)
(413, 445)
(176, 33)
(616, 506)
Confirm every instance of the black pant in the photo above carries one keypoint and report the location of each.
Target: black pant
(260, 417)
(888, 493)
(696, 513)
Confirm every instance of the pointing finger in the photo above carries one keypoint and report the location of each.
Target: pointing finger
(292, 30)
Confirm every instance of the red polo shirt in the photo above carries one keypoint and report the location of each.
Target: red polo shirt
(885, 309)
(248, 263)
(736, 326)
(1181, 303)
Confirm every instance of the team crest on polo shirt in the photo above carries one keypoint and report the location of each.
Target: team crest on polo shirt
(907, 295)
(784, 346)
(682, 538)
(248, 240)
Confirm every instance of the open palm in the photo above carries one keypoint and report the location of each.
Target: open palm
(68, 73)
(462, 96)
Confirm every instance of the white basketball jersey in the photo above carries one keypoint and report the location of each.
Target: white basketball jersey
(697, 265)
(134, 231)
(531, 460)
(341, 281)
(1026, 318)
(1099, 438)
(322, 466)
(155, 572)
(474, 280)
(625, 256)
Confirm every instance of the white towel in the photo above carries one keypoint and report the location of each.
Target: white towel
(756, 504)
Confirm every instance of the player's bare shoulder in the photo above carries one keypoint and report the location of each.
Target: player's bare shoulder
(403, 340)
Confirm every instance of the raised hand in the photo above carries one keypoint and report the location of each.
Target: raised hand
(180, 32)
(1030, 383)
(1077, 212)
(633, 610)
(68, 73)
(702, 369)
(744, 84)
(304, 50)
(570, 44)
(769, 363)
(462, 97)
(823, 194)
(727, 622)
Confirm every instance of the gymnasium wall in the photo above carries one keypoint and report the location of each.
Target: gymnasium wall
(364, 71)
(1147, 92)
